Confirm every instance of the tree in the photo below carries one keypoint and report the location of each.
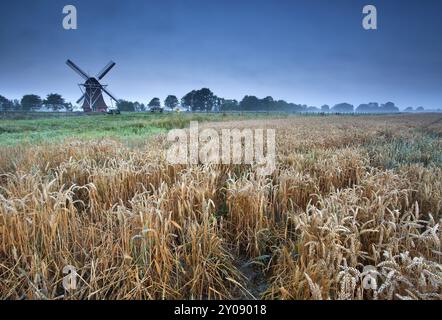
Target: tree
(409, 109)
(343, 107)
(372, 107)
(281, 105)
(187, 100)
(297, 107)
(325, 108)
(16, 105)
(229, 105)
(3, 99)
(139, 106)
(313, 109)
(200, 100)
(54, 101)
(69, 107)
(124, 105)
(389, 107)
(267, 104)
(5, 104)
(204, 100)
(171, 102)
(252, 103)
(30, 102)
(155, 103)
(249, 103)
(420, 109)
(217, 104)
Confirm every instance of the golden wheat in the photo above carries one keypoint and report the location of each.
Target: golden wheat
(136, 227)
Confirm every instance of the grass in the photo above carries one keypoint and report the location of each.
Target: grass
(422, 147)
(126, 126)
(348, 192)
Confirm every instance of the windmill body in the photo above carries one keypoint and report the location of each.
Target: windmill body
(92, 89)
(93, 96)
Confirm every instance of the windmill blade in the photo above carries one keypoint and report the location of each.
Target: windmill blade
(82, 97)
(83, 74)
(105, 70)
(108, 93)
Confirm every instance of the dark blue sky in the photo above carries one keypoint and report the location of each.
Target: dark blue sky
(303, 51)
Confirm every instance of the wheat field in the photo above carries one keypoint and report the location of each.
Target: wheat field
(348, 192)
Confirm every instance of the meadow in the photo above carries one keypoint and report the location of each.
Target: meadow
(126, 127)
(352, 197)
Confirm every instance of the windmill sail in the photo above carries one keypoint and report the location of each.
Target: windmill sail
(77, 69)
(105, 70)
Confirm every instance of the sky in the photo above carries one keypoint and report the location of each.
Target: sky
(310, 52)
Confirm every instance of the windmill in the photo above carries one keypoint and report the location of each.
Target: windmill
(92, 89)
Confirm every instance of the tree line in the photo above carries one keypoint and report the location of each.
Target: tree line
(202, 100)
(33, 102)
